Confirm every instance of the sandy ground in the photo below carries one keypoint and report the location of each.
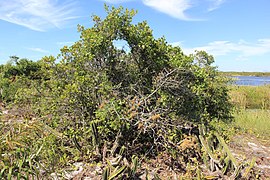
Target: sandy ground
(246, 146)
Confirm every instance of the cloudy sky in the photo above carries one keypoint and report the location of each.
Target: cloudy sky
(235, 32)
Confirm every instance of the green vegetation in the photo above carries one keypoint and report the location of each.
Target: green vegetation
(232, 73)
(255, 122)
(252, 105)
(113, 109)
(250, 97)
(251, 123)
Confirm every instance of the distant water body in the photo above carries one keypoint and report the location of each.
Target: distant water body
(251, 80)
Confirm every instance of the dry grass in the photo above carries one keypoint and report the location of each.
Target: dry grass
(254, 121)
(250, 97)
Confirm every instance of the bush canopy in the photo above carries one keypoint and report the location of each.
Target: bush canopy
(143, 97)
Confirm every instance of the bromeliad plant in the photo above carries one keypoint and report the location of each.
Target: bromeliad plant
(30, 149)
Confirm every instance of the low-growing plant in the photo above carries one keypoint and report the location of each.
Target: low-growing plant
(30, 149)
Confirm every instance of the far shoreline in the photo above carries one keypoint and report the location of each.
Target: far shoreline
(255, 74)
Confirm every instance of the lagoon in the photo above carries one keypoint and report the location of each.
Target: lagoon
(251, 80)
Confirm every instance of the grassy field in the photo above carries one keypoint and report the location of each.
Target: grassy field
(252, 109)
(245, 73)
(255, 122)
(251, 112)
(250, 97)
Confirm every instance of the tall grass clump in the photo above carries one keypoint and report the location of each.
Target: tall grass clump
(250, 97)
(254, 121)
(252, 104)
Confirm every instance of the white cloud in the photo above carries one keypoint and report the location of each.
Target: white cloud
(174, 8)
(177, 8)
(242, 48)
(38, 50)
(65, 43)
(37, 15)
(215, 4)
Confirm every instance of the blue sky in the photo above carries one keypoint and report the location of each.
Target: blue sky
(235, 32)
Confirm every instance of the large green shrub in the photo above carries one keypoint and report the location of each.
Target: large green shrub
(97, 95)
(146, 94)
(143, 97)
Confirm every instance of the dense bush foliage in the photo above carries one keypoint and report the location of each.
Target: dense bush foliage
(147, 93)
(95, 93)
(17, 74)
